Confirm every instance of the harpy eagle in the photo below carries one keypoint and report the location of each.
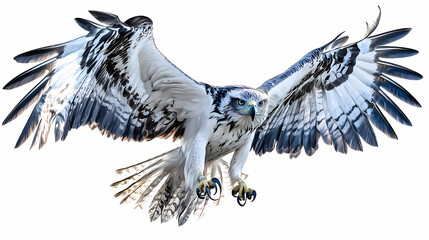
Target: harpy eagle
(116, 80)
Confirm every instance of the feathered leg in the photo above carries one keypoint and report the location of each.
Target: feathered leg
(241, 191)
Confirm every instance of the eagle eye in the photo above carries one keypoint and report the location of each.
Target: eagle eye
(240, 102)
(261, 103)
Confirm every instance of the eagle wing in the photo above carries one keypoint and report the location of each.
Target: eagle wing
(336, 92)
(113, 79)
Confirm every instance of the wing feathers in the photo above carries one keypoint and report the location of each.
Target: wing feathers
(343, 124)
(307, 126)
(394, 52)
(28, 100)
(350, 113)
(337, 138)
(89, 26)
(106, 18)
(32, 123)
(398, 71)
(287, 123)
(113, 79)
(360, 121)
(31, 74)
(40, 54)
(337, 93)
(339, 42)
(374, 25)
(390, 107)
(388, 37)
(397, 90)
(295, 140)
(314, 134)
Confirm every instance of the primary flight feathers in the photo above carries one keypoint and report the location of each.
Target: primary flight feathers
(95, 80)
(290, 126)
(336, 93)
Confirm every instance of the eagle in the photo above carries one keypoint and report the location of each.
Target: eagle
(116, 80)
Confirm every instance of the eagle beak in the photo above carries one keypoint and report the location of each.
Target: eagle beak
(251, 109)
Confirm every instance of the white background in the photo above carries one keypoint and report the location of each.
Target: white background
(62, 191)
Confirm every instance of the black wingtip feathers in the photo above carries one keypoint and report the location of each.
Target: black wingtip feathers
(106, 18)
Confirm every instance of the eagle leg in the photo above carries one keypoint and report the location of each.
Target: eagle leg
(243, 193)
(204, 188)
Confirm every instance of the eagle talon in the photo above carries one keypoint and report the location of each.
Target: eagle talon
(217, 182)
(243, 193)
(234, 192)
(203, 189)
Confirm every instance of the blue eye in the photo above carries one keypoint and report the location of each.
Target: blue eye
(261, 103)
(240, 102)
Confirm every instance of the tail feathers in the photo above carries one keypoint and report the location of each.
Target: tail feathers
(172, 206)
(187, 205)
(138, 175)
(151, 186)
(135, 189)
(162, 199)
(223, 170)
(163, 176)
(150, 170)
(144, 164)
(145, 177)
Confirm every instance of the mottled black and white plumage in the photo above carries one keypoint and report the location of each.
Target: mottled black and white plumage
(116, 80)
(336, 92)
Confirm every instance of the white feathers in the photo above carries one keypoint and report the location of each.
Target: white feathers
(279, 92)
(364, 46)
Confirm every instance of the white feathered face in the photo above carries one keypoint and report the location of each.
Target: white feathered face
(247, 106)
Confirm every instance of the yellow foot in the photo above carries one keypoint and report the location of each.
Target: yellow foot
(203, 189)
(242, 192)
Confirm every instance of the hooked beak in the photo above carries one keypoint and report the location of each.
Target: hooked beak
(251, 109)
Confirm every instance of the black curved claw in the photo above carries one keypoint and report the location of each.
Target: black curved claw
(200, 196)
(241, 202)
(215, 187)
(217, 182)
(254, 195)
(234, 193)
(209, 194)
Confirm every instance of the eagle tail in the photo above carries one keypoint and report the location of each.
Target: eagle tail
(163, 175)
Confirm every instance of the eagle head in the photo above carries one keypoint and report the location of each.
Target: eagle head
(246, 106)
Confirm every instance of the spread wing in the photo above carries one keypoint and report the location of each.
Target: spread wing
(336, 92)
(113, 79)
